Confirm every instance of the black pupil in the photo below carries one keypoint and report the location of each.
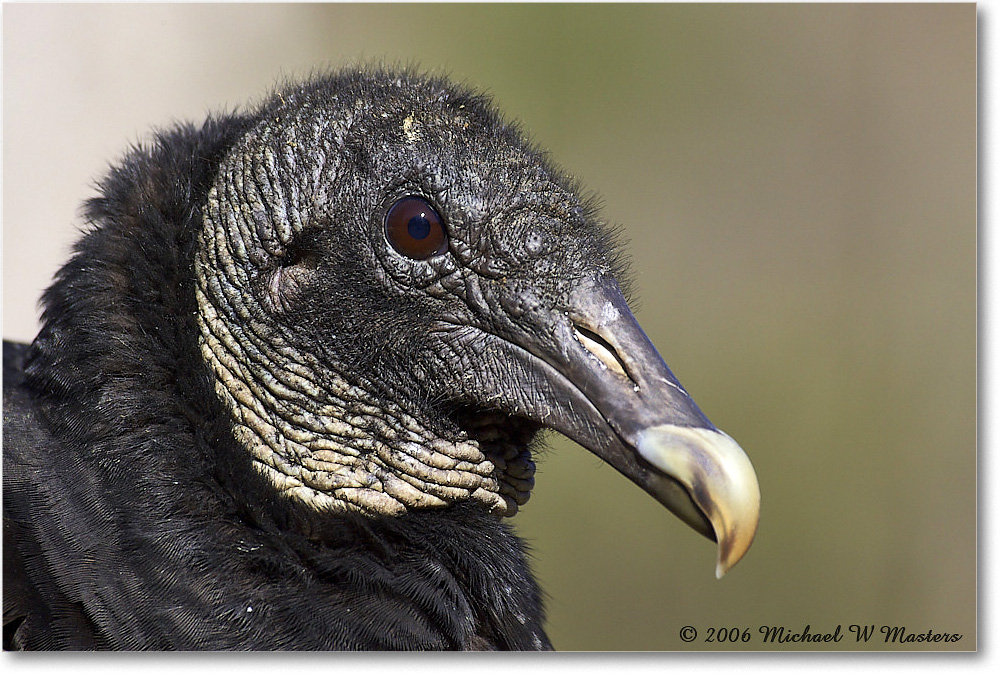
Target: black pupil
(419, 227)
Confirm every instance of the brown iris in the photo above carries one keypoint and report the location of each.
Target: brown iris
(414, 228)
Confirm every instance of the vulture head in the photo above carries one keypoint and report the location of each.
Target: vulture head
(395, 292)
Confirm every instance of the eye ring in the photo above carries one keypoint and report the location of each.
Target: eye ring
(415, 229)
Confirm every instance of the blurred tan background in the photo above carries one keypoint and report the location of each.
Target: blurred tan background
(799, 187)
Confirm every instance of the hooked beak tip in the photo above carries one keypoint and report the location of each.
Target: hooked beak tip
(717, 477)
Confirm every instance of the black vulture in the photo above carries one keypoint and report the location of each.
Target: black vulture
(287, 386)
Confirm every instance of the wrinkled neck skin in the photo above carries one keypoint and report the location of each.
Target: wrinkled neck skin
(319, 438)
(332, 445)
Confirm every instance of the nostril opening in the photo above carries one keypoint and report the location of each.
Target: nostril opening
(601, 349)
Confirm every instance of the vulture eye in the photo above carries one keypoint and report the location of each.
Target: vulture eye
(415, 229)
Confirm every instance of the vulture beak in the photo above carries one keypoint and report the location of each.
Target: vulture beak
(660, 440)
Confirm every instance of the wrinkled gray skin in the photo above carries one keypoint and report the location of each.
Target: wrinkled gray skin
(351, 400)
(362, 379)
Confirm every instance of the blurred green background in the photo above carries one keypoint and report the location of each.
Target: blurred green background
(798, 184)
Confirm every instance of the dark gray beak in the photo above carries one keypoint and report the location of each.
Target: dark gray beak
(634, 414)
